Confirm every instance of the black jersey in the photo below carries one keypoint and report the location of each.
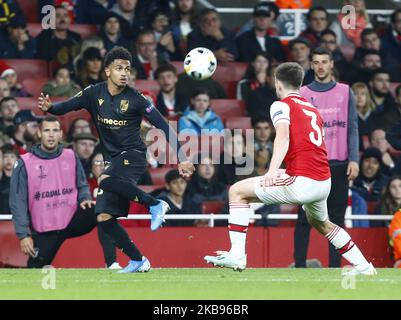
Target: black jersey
(117, 117)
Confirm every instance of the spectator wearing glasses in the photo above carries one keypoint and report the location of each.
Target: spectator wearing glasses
(318, 21)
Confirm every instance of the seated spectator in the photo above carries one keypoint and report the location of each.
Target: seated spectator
(347, 35)
(210, 34)
(8, 110)
(186, 86)
(145, 58)
(378, 140)
(8, 157)
(370, 40)
(92, 69)
(166, 46)
(84, 146)
(51, 42)
(111, 33)
(370, 182)
(256, 88)
(236, 161)
(249, 43)
(199, 116)
(78, 126)
(390, 118)
(4, 89)
(205, 186)
(16, 43)
(26, 125)
(91, 42)
(371, 60)
(183, 22)
(300, 50)
(264, 133)
(318, 22)
(390, 201)
(256, 75)
(61, 85)
(133, 16)
(16, 88)
(380, 92)
(394, 234)
(365, 108)
(169, 102)
(328, 40)
(391, 42)
(174, 196)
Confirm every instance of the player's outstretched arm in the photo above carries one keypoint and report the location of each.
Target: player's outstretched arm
(77, 102)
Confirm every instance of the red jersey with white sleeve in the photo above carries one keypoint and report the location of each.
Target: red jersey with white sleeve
(307, 155)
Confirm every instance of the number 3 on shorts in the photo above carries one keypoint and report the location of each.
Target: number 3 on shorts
(315, 127)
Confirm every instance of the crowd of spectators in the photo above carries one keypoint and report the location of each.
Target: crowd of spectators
(158, 32)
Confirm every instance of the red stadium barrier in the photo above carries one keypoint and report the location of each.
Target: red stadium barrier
(186, 247)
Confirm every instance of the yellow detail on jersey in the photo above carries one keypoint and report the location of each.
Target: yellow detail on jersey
(100, 101)
(124, 105)
(119, 123)
(126, 162)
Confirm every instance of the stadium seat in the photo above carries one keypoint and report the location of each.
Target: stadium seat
(372, 206)
(147, 85)
(28, 68)
(30, 10)
(230, 71)
(230, 88)
(394, 153)
(209, 207)
(238, 123)
(34, 86)
(348, 51)
(68, 118)
(158, 175)
(28, 104)
(393, 86)
(179, 65)
(226, 108)
(85, 30)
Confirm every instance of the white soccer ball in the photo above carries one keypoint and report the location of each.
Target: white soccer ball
(200, 63)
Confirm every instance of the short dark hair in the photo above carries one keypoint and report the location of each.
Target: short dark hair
(6, 99)
(379, 71)
(367, 52)
(117, 53)
(317, 8)
(259, 119)
(49, 118)
(206, 11)
(291, 74)
(321, 51)
(199, 91)
(167, 67)
(367, 32)
(144, 32)
(9, 149)
(394, 15)
(172, 175)
(328, 31)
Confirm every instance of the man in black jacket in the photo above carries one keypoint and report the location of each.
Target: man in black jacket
(251, 42)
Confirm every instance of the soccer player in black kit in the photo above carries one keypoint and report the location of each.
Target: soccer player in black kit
(117, 111)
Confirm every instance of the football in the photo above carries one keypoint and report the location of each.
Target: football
(200, 63)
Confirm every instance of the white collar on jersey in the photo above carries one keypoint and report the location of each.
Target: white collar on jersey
(293, 94)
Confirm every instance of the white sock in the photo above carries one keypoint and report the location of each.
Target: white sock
(238, 226)
(340, 238)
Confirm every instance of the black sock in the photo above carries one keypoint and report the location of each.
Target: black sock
(127, 190)
(109, 249)
(121, 238)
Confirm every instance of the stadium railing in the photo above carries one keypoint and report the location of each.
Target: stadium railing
(212, 217)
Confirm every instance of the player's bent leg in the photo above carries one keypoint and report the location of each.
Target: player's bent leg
(342, 241)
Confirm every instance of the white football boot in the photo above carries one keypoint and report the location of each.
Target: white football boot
(367, 271)
(226, 260)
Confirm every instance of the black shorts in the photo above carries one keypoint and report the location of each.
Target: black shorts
(129, 166)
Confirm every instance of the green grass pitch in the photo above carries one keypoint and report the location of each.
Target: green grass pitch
(205, 283)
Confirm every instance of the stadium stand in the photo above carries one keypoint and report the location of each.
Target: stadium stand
(30, 10)
(85, 30)
(34, 85)
(147, 85)
(238, 123)
(158, 174)
(226, 108)
(212, 207)
(29, 68)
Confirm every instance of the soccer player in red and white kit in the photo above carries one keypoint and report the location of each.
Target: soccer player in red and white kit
(306, 180)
